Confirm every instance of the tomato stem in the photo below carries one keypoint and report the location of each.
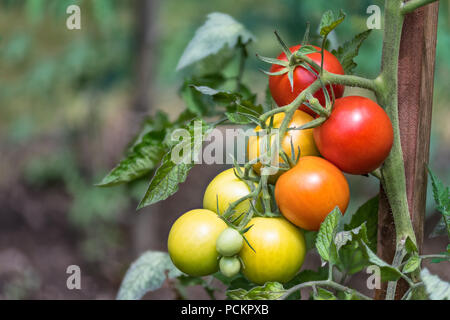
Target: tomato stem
(324, 283)
(410, 6)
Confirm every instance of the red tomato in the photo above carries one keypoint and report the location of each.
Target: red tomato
(357, 137)
(280, 87)
(308, 192)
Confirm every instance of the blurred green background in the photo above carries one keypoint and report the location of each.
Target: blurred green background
(70, 100)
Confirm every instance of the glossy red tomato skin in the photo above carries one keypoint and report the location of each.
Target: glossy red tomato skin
(280, 87)
(310, 190)
(357, 137)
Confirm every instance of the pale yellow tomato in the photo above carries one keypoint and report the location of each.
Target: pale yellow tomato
(192, 242)
(224, 189)
(280, 249)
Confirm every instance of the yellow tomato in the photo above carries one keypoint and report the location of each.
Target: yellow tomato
(192, 242)
(226, 188)
(279, 250)
(302, 139)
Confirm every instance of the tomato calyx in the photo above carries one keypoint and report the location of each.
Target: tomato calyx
(296, 59)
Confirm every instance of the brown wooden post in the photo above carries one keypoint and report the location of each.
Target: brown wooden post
(415, 98)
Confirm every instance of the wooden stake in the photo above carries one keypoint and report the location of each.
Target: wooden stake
(416, 74)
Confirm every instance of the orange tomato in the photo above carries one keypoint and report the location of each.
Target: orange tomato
(308, 192)
(302, 139)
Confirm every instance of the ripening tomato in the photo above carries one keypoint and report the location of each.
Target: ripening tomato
(192, 242)
(224, 189)
(357, 137)
(280, 87)
(308, 192)
(279, 250)
(301, 139)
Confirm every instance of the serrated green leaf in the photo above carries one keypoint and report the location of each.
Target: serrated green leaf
(170, 174)
(351, 258)
(220, 30)
(270, 291)
(388, 272)
(146, 274)
(367, 213)
(223, 97)
(412, 264)
(323, 294)
(440, 229)
(343, 238)
(144, 154)
(436, 288)
(349, 50)
(237, 118)
(441, 196)
(329, 22)
(140, 160)
(327, 231)
(410, 246)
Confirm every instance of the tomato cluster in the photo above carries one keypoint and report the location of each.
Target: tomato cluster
(200, 242)
(355, 138)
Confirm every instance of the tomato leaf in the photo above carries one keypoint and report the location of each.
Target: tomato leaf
(441, 196)
(329, 22)
(146, 274)
(140, 160)
(323, 294)
(145, 152)
(170, 174)
(439, 229)
(388, 272)
(351, 257)
(325, 237)
(436, 288)
(220, 30)
(367, 213)
(270, 291)
(349, 50)
(412, 264)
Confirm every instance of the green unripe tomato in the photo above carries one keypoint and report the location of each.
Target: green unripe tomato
(229, 242)
(229, 266)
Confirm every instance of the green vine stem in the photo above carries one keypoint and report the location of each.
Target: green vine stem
(393, 170)
(410, 6)
(324, 283)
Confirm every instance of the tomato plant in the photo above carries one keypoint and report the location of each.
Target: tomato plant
(357, 136)
(277, 250)
(253, 231)
(310, 190)
(280, 86)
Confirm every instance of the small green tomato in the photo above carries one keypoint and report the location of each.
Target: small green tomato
(229, 242)
(229, 266)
